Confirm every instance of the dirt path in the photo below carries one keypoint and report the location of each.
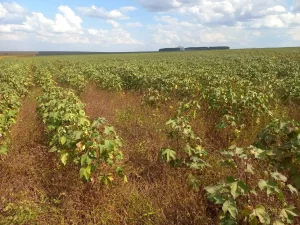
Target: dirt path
(106, 103)
(32, 184)
(18, 169)
(150, 181)
(28, 141)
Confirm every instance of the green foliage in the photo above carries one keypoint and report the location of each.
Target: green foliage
(236, 91)
(168, 155)
(154, 98)
(237, 196)
(15, 82)
(239, 89)
(72, 136)
(188, 151)
(281, 140)
(72, 77)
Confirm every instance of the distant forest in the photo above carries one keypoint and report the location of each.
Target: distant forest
(45, 53)
(193, 48)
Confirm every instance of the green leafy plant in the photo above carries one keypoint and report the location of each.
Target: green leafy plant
(15, 82)
(72, 136)
(281, 139)
(154, 98)
(72, 77)
(188, 151)
(238, 196)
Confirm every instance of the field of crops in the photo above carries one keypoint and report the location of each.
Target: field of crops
(208, 137)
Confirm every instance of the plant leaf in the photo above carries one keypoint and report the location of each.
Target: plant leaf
(85, 172)
(288, 213)
(53, 149)
(230, 206)
(292, 189)
(262, 215)
(249, 169)
(63, 140)
(64, 158)
(168, 154)
(3, 150)
(279, 176)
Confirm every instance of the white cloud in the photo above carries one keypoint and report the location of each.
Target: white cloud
(175, 23)
(3, 11)
(111, 37)
(290, 19)
(278, 9)
(295, 33)
(113, 23)
(168, 37)
(102, 13)
(255, 33)
(162, 5)
(11, 13)
(166, 19)
(63, 38)
(67, 22)
(190, 38)
(134, 24)
(127, 9)
(272, 21)
(66, 28)
(296, 6)
(226, 12)
(213, 37)
(14, 8)
(13, 37)
(283, 20)
(236, 23)
(6, 28)
(211, 12)
(37, 22)
(174, 32)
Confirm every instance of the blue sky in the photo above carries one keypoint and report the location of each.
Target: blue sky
(139, 25)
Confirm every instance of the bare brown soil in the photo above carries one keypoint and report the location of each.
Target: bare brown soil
(153, 183)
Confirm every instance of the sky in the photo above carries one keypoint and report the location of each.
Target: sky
(147, 25)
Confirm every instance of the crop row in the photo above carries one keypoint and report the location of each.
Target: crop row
(15, 80)
(238, 88)
(241, 193)
(72, 135)
(186, 75)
